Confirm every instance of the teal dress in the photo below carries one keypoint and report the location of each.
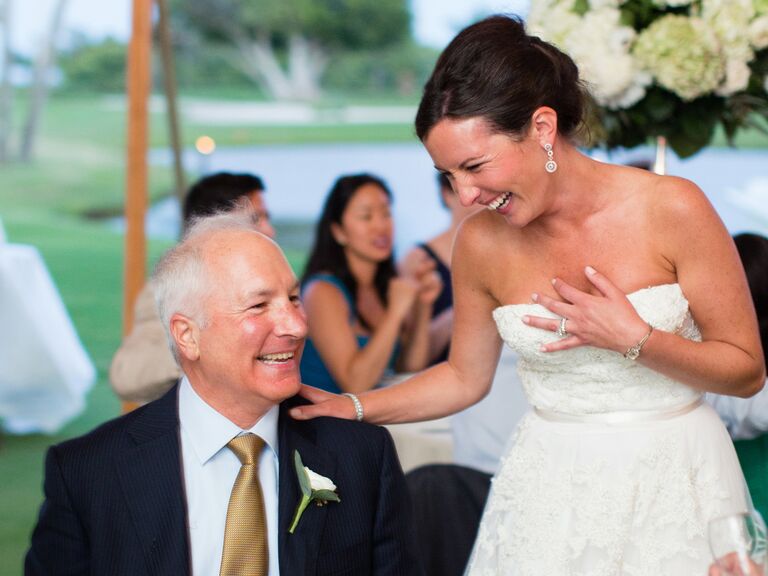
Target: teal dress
(313, 369)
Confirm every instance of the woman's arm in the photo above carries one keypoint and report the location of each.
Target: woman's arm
(353, 368)
(450, 386)
(693, 241)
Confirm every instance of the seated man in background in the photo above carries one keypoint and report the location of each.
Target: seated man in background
(143, 368)
(161, 490)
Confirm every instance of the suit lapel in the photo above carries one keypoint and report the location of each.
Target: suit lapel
(298, 551)
(150, 475)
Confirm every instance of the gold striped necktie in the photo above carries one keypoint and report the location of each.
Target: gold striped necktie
(245, 535)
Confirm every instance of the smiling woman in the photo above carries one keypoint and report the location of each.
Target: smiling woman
(364, 319)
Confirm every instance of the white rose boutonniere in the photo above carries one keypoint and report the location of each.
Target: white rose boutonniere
(314, 488)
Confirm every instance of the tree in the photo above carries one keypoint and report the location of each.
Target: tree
(38, 93)
(6, 89)
(98, 66)
(285, 46)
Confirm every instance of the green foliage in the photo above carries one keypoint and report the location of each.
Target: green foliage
(348, 24)
(98, 66)
(401, 69)
(200, 64)
(688, 126)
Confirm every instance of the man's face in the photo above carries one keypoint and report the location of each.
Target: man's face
(261, 214)
(248, 352)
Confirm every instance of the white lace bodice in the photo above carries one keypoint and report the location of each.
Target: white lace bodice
(588, 380)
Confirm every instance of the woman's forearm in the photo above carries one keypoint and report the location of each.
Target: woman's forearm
(433, 393)
(710, 366)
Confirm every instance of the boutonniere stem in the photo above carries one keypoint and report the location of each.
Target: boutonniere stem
(314, 488)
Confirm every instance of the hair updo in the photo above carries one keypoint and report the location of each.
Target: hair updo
(495, 70)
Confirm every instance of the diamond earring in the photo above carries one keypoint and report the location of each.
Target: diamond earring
(551, 165)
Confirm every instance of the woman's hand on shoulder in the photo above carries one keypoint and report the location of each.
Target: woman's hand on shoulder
(607, 320)
(323, 404)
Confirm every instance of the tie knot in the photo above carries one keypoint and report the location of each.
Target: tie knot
(247, 448)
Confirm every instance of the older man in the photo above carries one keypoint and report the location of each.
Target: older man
(143, 368)
(204, 479)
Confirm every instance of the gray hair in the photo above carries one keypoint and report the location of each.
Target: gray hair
(181, 281)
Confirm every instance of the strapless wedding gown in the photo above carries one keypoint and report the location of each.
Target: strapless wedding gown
(616, 471)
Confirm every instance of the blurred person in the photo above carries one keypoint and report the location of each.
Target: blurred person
(747, 418)
(143, 368)
(624, 297)
(162, 490)
(365, 321)
(438, 250)
(480, 433)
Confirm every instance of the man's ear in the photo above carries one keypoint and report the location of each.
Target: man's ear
(544, 125)
(186, 334)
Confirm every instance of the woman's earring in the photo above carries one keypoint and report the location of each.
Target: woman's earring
(551, 165)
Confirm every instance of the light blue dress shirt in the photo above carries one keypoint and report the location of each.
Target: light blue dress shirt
(210, 470)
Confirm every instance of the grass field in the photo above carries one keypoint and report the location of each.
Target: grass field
(80, 169)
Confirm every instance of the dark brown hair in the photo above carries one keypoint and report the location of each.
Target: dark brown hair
(495, 70)
(327, 255)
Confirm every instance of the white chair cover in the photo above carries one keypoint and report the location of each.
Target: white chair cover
(44, 371)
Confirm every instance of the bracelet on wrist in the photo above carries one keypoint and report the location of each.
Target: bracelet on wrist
(633, 352)
(358, 405)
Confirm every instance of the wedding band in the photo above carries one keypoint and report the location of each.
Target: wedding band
(358, 405)
(561, 331)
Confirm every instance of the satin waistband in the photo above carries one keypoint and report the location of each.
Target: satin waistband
(619, 416)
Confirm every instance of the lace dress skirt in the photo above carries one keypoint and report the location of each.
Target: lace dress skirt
(597, 499)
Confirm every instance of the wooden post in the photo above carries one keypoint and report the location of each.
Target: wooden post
(138, 86)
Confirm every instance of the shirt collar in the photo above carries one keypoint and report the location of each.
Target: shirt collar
(209, 431)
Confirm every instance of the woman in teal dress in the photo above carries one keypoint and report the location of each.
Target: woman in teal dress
(364, 320)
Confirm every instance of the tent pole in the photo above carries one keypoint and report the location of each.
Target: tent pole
(138, 90)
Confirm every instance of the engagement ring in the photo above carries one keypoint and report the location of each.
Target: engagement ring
(561, 331)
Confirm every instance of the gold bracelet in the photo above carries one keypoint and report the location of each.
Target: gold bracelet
(633, 352)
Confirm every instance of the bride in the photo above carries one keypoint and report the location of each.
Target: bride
(623, 295)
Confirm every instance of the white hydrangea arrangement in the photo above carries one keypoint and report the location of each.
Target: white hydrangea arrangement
(671, 68)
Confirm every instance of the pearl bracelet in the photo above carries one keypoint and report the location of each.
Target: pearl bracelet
(358, 406)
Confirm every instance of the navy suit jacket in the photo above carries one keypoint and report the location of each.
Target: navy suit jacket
(114, 501)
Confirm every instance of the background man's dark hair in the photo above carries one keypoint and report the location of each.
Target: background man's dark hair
(218, 192)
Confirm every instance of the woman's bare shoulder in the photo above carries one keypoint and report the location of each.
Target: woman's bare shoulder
(322, 290)
(482, 231)
(671, 199)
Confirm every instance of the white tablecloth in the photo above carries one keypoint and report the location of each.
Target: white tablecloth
(44, 371)
(421, 443)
